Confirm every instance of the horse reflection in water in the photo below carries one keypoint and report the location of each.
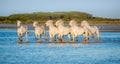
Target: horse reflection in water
(21, 31)
(61, 44)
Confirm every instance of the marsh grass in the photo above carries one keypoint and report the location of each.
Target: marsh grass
(42, 17)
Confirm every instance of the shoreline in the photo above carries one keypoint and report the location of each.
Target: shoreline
(109, 28)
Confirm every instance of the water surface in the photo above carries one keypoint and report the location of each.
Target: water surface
(106, 51)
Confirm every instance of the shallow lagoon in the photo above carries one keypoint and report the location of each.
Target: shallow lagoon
(107, 51)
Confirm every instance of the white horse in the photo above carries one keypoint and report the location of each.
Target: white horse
(53, 31)
(63, 30)
(93, 29)
(77, 31)
(21, 31)
(39, 30)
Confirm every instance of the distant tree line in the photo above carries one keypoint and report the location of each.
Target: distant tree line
(42, 17)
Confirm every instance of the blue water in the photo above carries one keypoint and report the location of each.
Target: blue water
(106, 51)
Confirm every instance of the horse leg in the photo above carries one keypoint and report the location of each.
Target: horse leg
(73, 38)
(86, 36)
(45, 35)
(36, 36)
(20, 37)
(55, 38)
(39, 36)
(51, 36)
(26, 36)
(77, 39)
(59, 36)
(62, 38)
(68, 37)
(98, 34)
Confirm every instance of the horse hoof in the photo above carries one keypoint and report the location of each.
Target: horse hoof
(61, 40)
(20, 40)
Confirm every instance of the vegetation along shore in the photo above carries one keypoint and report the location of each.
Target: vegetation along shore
(42, 17)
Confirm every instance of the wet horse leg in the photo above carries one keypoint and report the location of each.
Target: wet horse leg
(20, 38)
(68, 37)
(51, 37)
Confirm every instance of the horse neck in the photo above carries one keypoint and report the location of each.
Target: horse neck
(36, 25)
(60, 26)
(74, 25)
(19, 25)
(88, 26)
(51, 26)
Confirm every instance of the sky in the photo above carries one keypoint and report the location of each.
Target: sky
(98, 8)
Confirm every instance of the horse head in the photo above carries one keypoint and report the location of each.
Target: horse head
(35, 24)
